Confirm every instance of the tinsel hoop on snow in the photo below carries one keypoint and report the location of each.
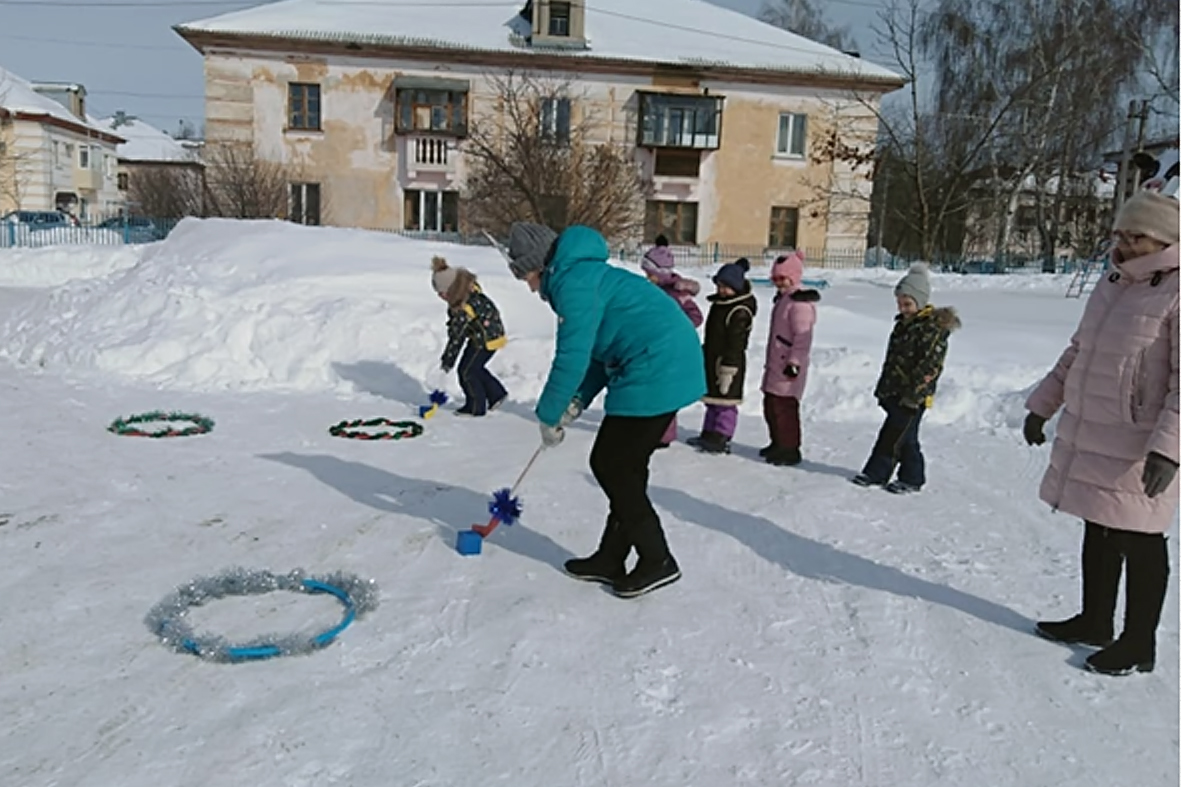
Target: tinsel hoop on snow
(127, 427)
(169, 619)
(353, 429)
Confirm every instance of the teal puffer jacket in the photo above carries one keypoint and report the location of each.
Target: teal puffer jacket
(618, 331)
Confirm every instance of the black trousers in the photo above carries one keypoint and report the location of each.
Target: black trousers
(619, 460)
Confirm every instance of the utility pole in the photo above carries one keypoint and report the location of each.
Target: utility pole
(1137, 110)
(881, 228)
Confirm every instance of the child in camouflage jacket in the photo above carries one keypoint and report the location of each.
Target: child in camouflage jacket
(906, 386)
(472, 320)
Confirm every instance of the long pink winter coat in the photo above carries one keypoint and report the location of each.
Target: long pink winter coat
(1118, 382)
(790, 342)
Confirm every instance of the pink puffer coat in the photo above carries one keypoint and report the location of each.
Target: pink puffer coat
(1118, 383)
(790, 342)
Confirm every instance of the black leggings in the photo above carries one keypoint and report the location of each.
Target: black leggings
(619, 461)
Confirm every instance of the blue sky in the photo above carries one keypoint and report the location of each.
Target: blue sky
(125, 53)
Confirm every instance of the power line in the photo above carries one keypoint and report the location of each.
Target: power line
(96, 44)
(126, 4)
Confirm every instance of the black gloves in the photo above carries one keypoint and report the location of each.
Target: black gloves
(1159, 472)
(1034, 429)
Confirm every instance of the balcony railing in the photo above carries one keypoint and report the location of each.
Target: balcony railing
(430, 154)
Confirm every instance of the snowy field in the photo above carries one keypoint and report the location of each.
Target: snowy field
(822, 635)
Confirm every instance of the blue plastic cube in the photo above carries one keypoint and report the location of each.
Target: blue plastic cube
(468, 542)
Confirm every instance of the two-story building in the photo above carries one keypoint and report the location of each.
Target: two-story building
(732, 120)
(51, 156)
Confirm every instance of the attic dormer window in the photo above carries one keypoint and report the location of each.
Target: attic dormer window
(559, 19)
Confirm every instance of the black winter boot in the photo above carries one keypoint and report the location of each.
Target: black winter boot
(767, 450)
(1102, 564)
(608, 563)
(656, 566)
(784, 457)
(713, 443)
(1147, 584)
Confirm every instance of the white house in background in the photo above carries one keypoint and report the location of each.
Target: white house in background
(147, 149)
(51, 156)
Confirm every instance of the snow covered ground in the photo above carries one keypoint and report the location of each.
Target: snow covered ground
(822, 634)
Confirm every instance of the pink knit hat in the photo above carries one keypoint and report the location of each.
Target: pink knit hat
(791, 266)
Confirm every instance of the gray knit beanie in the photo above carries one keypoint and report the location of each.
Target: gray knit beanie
(1151, 214)
(529, 247)
(916, 284)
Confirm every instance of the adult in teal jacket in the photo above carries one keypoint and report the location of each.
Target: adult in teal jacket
(616, 331)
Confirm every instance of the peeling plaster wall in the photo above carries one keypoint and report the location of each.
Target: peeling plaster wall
(361, 164)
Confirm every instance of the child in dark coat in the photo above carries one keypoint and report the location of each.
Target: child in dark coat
(789, 353)
(727, 333)
(472, 320)
(906, 387)
(658, 264)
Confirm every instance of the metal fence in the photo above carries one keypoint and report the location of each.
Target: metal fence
(124, 230)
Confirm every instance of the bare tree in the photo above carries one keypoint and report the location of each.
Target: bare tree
(241, 184)
(1047, 72)
(529, 157)
(805, 18)
(167, 191)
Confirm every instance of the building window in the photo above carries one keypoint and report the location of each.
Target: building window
(96, 158)
(83, 157)
(675, 220)
(555, 120)
(675, 121)
(303, 107)
(431, 211)
(304, 207)
(437, 111)
(121, 178)
(793, 136)
(678, 163)
(785, 227)
(559, 19)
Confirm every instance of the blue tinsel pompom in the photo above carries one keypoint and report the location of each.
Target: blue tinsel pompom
(505, 507)
(438, 397)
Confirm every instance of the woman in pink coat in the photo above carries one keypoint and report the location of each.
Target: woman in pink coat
(658, 264)
(1115, 453)
(789, 351)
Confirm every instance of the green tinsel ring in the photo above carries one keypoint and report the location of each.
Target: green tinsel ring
(126, 426)
(350, 429)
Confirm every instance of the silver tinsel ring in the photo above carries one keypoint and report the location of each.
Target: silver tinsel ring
(169, 619)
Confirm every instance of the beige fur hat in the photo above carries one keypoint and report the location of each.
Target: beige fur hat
(1151, 214)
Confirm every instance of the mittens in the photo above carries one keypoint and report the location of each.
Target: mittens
(1034, 429)
(552, 436)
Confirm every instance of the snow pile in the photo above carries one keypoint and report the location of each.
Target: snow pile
(50, 266)
(228, 305)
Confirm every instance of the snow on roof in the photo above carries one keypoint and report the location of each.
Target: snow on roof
(145, 142)
(682, 32)
(17, 95)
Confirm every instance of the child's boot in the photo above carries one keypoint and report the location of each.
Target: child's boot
(784, 457)
(608, 563)
(714, 443)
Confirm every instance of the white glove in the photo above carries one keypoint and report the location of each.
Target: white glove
(573, 410)
(552, 436)
(726, 375)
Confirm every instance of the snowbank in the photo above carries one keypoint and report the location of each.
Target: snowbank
(230, 305)
(55, 265)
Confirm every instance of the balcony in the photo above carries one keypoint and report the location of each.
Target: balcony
(674, 120)
(428, 154)
(89, 179)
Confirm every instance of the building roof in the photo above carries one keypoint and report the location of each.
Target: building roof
(17, 97)
(145, 143)
(690, 33)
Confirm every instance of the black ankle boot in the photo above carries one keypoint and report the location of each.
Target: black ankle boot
(608, 563)
(784, 457)
(656, 566)
(1102, 564)
(1148, 582)
(767, 450)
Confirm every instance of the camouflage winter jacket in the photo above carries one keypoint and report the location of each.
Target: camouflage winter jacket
(915, 355)
(470, 315)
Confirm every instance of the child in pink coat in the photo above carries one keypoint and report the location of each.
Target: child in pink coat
(789, 350)
(658, 264)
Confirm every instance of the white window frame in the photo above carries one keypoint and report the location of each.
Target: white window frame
(83, 157)
(791, 124)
